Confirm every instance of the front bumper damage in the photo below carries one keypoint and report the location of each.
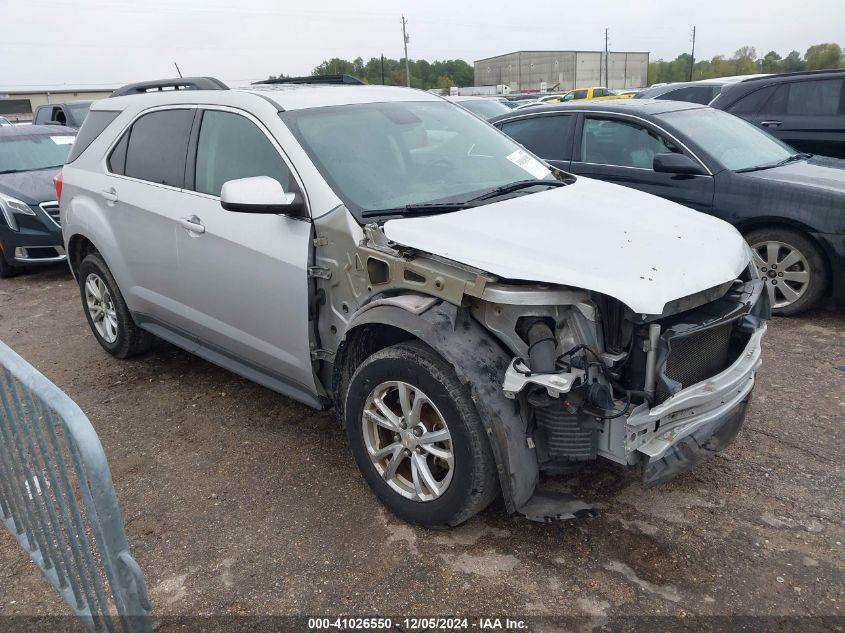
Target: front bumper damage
(696, 422)
(704, 365)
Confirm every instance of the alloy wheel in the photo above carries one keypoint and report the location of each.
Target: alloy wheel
(408, 441)
(784, 269)
(101, 308)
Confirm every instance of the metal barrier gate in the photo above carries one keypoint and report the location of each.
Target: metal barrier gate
(58, 500)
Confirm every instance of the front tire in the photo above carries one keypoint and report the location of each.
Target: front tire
(106, 311)
(792, 266)
(417, 437)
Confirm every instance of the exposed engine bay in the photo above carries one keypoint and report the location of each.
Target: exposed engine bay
(585, 375)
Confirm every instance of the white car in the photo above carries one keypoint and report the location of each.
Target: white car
(474, 316)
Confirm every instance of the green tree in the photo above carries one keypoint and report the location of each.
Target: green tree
(424, 74)
(823, 56)
(772, 62)
(745, 61)
(792, 63)
(444, 83)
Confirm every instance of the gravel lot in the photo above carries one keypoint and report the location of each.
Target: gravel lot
(239, 501)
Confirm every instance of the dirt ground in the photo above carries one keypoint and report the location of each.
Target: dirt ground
(239, 501)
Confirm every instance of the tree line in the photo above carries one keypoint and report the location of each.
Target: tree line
(391, 72)
(457, 72)
(745, 61)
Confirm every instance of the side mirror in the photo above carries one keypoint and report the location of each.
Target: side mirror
(259, 194)
(670, 163)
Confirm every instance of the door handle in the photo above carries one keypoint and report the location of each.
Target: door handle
(110, 194)
(770, 123)
(192, 224)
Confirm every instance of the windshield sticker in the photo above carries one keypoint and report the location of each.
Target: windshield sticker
(62, 140)
(529, 164)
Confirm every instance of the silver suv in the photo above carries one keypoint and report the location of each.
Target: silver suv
(474, 316)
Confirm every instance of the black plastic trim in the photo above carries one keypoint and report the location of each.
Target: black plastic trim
(177, 83)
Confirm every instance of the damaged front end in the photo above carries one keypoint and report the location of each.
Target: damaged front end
(664, 392)
(560, 376)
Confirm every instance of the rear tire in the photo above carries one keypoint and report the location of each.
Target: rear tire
(792, 266)
(434, 483)
(106, 311)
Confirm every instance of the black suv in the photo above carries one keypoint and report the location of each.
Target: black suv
(805, 110)
(30, 157)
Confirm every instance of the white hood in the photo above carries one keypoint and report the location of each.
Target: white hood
(643, 250)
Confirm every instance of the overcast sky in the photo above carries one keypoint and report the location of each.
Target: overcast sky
(112, 42)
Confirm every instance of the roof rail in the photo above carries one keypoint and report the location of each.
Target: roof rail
(315, 79)
(178, 83)
(797, 73)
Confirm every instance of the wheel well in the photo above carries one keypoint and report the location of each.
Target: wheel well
(79, 248)
(769, 223)
(359, 344)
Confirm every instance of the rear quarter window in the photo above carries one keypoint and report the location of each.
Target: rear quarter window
(94, 124)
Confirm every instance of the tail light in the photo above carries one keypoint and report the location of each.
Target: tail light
(57, 182)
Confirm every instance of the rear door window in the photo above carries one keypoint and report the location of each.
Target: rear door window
(230, 146)
(821, 97)
(158, 145)
(814, 98)
(546, 136)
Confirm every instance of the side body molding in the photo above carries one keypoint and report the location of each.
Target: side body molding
(480, 363)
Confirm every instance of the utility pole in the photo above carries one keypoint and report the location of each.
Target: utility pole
(405, 38)
(606, 59)
(382, 69)
(692, 56)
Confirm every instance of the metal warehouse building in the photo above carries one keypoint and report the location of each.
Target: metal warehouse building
(563, 70)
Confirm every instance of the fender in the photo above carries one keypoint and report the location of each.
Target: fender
(84, 217)
(480, 364)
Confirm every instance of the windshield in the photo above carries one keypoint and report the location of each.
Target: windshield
(37, 151)
(485, 108)
(731, 141)
(79, 111)
(388, 155)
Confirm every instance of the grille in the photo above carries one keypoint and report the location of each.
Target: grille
(52, 209)
(696, 357)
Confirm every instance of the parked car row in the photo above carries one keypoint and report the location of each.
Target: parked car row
(805, 109)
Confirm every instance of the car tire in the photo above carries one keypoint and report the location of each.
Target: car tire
(108, 316)
(6, 269)
(772, 246)
(467, 484)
